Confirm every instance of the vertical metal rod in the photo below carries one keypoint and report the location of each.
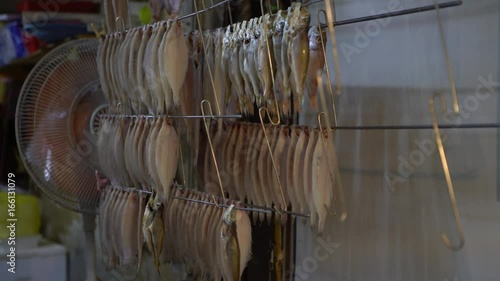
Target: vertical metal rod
(327, 68)
(333, 41)
(206, 58)
(456, 107)
(214, 158)
(265, 29)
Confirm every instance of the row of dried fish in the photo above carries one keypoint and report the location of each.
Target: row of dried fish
(213, 242)
(154, 69)
(142, 70)
(305, 160)
(139, 152)
(121, 240)
(210, 240)
(266, 56)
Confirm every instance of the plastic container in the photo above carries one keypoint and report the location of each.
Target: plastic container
(44, 263)
(27, 213)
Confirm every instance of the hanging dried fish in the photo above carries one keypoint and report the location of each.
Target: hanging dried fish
(167, 157)
(132, 79)
(285, 62)
(298, 52)
(219, 83)
(157, 232)
(264, 54)
(176, 59)
(316, 63)
(250, 61)
(129, 230)
(156, 8)
(235, 69)
(173, 7)
(324, 165)
(143, 68)
(121, 10)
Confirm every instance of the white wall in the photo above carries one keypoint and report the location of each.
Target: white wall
(393, 232)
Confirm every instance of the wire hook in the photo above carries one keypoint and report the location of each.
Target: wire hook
(215, 202)
(265, 32)
(327, 67)
(456, 107)
(331, 28)
(219, 111)
(117, 20)
(276, 173)
(340, 188)
(446, 171)
(214, 158)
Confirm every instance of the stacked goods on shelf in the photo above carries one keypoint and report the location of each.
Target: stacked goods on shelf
(52, 22)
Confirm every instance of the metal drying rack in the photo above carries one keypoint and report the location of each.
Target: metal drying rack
(330, 23)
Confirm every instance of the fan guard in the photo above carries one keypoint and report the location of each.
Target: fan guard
(56, 123)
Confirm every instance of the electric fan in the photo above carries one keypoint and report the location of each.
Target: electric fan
(56, 120)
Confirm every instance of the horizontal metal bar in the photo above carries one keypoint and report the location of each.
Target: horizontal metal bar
(222, 205)
(248, 208)
(205, 10)
(171, 117)
(391, 14)
(420, 127)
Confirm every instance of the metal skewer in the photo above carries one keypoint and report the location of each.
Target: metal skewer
(169, 116)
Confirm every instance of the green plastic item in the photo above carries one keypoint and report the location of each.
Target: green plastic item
(145, 15)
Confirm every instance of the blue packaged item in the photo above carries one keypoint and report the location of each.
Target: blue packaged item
(54, 32)
(11, 43)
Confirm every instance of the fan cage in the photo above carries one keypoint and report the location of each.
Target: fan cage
(43, 129)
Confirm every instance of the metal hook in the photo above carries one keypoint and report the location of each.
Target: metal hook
(269, 7)
(269, 57)
(446, 171)
(334, 45)
(219, 111)
(229, 216)
(276, 173)
(215, 202)
(340, 188)
(456, 107)
(119, 19)
(209, 107)
(230, 14)
(327, 67)
(214, 158)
